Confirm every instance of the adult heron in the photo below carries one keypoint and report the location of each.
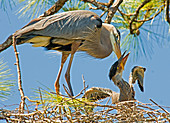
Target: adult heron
(68, 32)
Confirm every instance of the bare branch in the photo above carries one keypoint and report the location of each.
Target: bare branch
(22, 104)
(91, 7)
(102, 14)
(55, 8)
(112, 11)
(84, 83)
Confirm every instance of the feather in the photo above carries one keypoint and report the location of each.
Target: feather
(39, 41)
(96, 93)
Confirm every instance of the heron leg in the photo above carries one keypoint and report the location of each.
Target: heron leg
(74, 48)
(63, 59)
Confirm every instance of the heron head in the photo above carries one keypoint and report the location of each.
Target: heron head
(115, 40)
(118, 67)
(137, 73)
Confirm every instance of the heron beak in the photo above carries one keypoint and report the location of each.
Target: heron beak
(116, 45)
(138, 74)
(123, 60)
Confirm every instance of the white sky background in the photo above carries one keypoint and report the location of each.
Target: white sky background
(41, 66)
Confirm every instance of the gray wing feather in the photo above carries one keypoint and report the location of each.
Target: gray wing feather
(67, 25)
(96, 93)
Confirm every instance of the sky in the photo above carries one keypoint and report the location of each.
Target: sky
(40, 67)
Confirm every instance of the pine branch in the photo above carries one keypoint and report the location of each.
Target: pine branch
(112, 11)
(55, 8)
(136, 14)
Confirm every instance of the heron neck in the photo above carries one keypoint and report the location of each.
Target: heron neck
(126, 91)
(104, 47)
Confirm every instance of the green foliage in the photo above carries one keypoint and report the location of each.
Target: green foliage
(33, 8)
(137, 31)
(49, 101)
(5, 83)
(75, 5)
(4, 4)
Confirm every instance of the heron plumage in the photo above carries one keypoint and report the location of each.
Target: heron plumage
(79, 30)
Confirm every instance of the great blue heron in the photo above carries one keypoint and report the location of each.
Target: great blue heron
(126, 89)
(68, 32)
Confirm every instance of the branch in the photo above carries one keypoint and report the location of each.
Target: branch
(136, 14)
(150, 17)
(55, 8)
(112, 11)
(21, 107)
(167, 11)
(107, 4)
(99, 6)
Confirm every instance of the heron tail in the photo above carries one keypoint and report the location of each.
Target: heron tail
(6, 44)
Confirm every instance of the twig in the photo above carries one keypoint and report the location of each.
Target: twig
(133, 14)
(150, 17)
(55, 8)
(91, 7)
(84, 84)
(159, 106)
(107, 102)
(41, 97)
(72, 97)
(99, 6)
(107, 4)
(22, 104)
(102, 14)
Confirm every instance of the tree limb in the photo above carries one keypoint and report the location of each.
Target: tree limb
(167, 11)
(55, 8)
(112, 11)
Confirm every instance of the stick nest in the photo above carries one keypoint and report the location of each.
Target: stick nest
(79, 110)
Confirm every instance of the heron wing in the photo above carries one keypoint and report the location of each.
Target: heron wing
(72, 25)
(96, 93)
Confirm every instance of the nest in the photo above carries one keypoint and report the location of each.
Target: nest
(80, 110)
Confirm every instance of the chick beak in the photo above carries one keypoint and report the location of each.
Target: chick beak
(123, 62)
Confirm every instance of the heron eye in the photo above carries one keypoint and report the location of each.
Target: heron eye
(116, 36)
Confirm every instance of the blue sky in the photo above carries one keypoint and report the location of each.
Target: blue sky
(41, 66)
